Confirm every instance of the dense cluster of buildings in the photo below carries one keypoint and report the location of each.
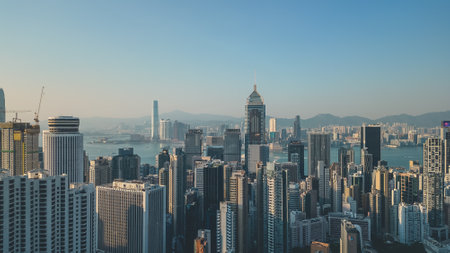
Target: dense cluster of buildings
(219, 193)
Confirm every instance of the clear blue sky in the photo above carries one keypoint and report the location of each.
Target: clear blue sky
(112, 58)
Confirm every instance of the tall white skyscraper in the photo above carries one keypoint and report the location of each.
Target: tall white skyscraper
(412, 223)
(41, 213)
(155, 121)
(273, 125)
(131, 217)
(63, 148)
(227, 227)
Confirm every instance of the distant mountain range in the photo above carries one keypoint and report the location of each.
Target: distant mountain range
(431, 119)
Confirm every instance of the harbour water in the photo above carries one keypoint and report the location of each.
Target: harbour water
(396, 157)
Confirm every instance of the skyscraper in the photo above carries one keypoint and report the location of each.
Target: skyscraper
(2, 106)
(370, 139)
(19, 146)
(126, 165)
(131, 217)
(165, 130)
(41, 213)
(351, 241)
(273, 125)
(345, 156)
(192, 146)
(176, 192)
(227, 227)
(297, 128)
(155, 121)
(232, 145)
(63, 148)
(318, 150)
(100, 171)
(256, 153)
(239, 196)
(276, 208)
(445, 136)
(255, 122)
(296, 154)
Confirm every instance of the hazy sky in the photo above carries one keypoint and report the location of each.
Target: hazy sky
(112, 58)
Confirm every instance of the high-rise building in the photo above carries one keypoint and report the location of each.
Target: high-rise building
(131, 217)
(63, 148)
(179, 130)
(297, 128)
(445, 136)
(296, 154)
(334, 225)
(232, 145)
(192, 146)
(227, 227)
(345, 156)
(126, 165)
(2, 106)
(412, 223)
(336, 192)
(163, 159)
(323, 174)
(176, 192)
(409, 187)
(202, 243)
(100, 171)
(276, 208)
(19, 146)
(370, 139)
(305, 231)
(165, 130)
(256, 153)
(318, 150)
(41, 213)
(255, 122)
(239, 196)
(155, 121)
(273, 125)
(351, 239)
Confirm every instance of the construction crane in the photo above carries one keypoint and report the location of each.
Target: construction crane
(36, 114)
(16, 112)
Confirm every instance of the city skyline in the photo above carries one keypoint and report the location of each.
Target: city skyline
(95, 58)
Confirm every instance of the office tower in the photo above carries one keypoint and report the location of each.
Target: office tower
(260, 203)
(336, 192)
(367, 163)
(295, 217)
(255, 122)
(433, 186)
(100, 171)
(409, 187)
(165, 130)
(273, 125)
(155, 121)
(163, 177)
(318, 150)
(239, 196)
(276, 208)
(40, 213)
(126, 165)
(215, 152)
(176, 192)
(334, 226)
(297, 128)
(193, 223)
(192, 146)
(381, 185)
(305, 231)
(296, 154)
(351, 241)
(131, 217)
(293, 197)
(345, 156)
(203, 241)
(19, 146)
(256, 153)
(370, 139)
(63, 148)
(227, 227)
(323, 174)
(292, 169)
(179, 130)
(2, 106)
(412, 223)
(163, 159)
(232, 145)
(86, 165)
(320, 247)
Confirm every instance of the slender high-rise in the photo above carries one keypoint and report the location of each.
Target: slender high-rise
(318, 150)
(239, 196)
(370, 139)
(255, 122)
(176, 192)
(63, 148)
(297, 128)
(232, 145)
(19, 147)
(2, 106)
(192, 146)
(155, 121)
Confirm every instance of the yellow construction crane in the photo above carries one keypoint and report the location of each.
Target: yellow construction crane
(36, 114)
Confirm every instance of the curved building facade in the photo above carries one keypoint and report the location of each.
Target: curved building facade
(63, 148)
